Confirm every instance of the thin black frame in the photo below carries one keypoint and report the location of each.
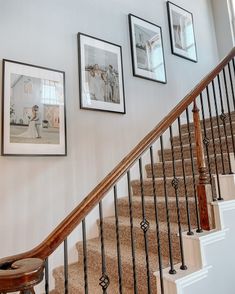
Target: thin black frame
(130, 16)
(80, 74)
(4, 61)
(169, 3)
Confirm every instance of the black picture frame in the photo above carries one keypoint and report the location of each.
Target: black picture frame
(100, 75)
(33, 110)
(182, 34)
(148, 61)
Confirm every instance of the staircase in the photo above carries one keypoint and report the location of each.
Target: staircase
(76, 284)
(168, 213)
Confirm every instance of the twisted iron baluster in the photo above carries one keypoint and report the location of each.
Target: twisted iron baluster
(172, 271)
(175, 184)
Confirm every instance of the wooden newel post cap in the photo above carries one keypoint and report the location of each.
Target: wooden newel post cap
(21, 275)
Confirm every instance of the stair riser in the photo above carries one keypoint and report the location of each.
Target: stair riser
(60, 289)
(158, 168)
(76, 283)
(94, 262)
(170, 191)
(186, 150)
(123, 210)
(185, 136)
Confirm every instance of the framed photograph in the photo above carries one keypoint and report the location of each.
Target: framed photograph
(33, 110)
(182, 34)
(100, 74)
(147, 50)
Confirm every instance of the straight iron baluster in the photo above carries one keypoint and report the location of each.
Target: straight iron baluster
(223, 117)
(233, 97)
(213, 141)
(65, 266)
(118, 242)
(229, 109)
(132, 234)
(46, 276)
(157, 221)
(218, 126)
(84, 255)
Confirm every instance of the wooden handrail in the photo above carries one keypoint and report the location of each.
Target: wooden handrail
(81, 211)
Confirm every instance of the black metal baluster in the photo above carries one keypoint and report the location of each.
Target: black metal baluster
(223, 117)
(231, 84)
(233, 70)
(184, 179)
(172, 271)
(117, 239)
(132, 234)
(213, 141)
(157, 221)
(233, 66)
(104, 279)
(206, 142)
(65, 266)
(218, 126)
(233, 97)
(84, 255)
(229, 111)
(199, 230)
(175, 185)
(46, 276)
(144, 226)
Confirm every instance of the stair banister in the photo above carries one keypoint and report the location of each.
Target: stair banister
(48, 246)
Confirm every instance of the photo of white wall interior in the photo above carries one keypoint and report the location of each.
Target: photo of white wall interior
(148, 45)
(182, 32)
(147, 50)
(34, 110)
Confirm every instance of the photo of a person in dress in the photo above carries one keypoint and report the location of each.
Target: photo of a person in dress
(31, 130)
(37, 121)
(34, 110)
(102, 77)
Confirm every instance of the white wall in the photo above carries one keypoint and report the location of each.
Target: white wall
(223, 26)
(38, 192)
